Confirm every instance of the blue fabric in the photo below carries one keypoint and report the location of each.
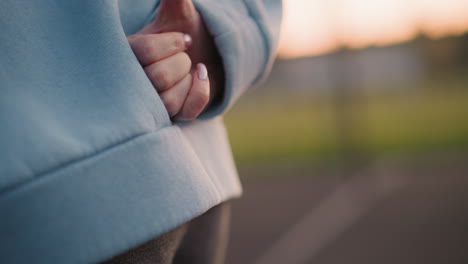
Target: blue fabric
(90, 163)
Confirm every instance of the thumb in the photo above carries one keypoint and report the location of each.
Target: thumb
(173, 15)
(174, 12)
(172, 3)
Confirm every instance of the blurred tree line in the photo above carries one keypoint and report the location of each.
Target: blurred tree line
(443, 56)
(407, 99)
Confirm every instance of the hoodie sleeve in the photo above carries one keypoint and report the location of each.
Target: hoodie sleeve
(246, 33)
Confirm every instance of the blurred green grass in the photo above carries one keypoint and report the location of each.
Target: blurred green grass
(420, 119)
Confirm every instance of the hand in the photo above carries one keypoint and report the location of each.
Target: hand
(182, 16)
(162, 56)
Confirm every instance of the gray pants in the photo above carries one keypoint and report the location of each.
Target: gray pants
(201, 240)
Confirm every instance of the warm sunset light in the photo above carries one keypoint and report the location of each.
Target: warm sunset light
(312, 27)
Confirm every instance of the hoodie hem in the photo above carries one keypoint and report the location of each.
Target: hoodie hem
(108, 203)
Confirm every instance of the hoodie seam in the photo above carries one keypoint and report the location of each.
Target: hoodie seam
(72, 162)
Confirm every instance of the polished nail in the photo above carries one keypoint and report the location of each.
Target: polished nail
(187, 40)
(202, 72)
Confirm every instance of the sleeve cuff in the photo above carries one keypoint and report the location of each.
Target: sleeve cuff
(243, 50)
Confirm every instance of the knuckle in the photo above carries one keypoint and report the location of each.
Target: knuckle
(186, 59)
(161, 77)
(148, 49)
(146, 45)
(178, 42)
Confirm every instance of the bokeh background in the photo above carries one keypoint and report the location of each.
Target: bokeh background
(355, 150)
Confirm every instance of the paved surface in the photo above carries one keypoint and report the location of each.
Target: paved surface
(385, 213)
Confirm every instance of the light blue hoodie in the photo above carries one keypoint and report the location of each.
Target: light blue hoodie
(90, 163)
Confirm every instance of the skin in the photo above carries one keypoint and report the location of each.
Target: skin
(175, 66)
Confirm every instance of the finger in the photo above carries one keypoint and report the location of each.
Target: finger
(167, 72)
(175, 7)
(198, 96)
(174, 97)
(151, 48)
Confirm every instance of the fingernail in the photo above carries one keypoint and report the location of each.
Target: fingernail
(187, 40)
(202, 72)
